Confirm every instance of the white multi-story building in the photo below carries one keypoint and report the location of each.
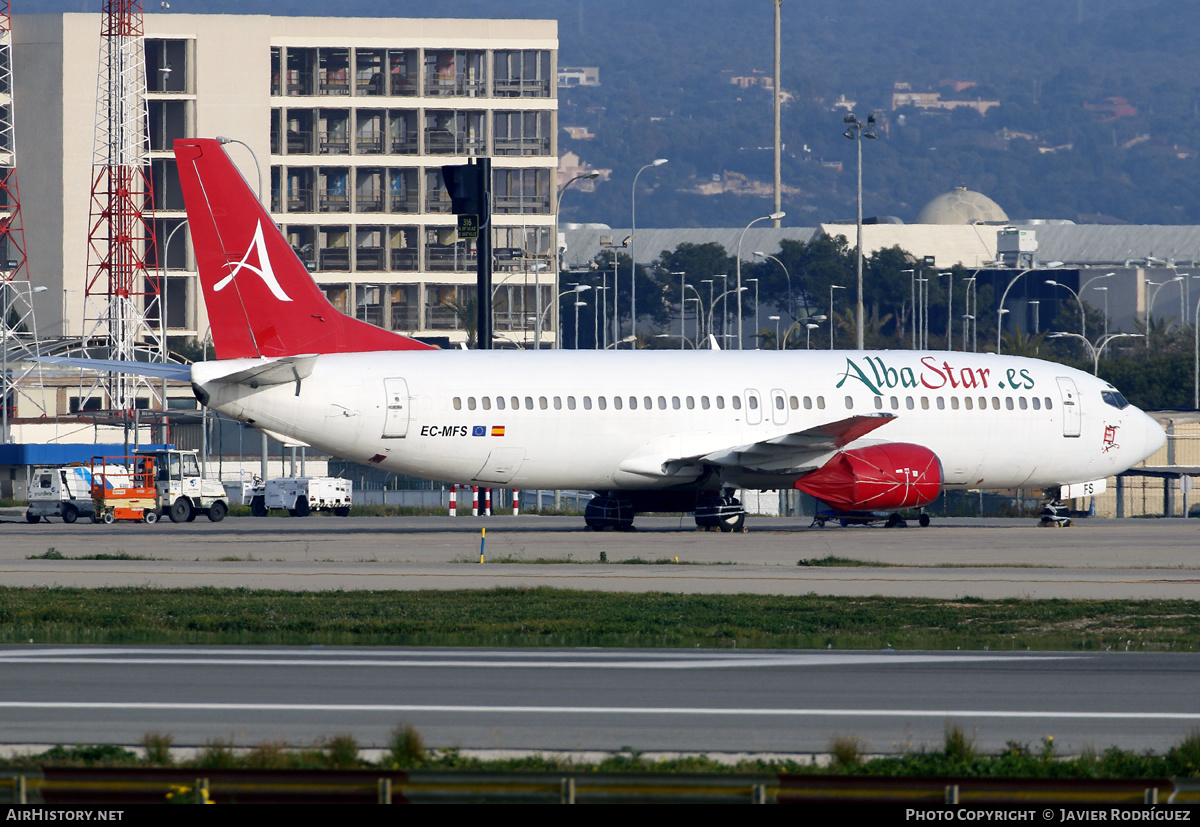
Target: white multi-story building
(346, 124)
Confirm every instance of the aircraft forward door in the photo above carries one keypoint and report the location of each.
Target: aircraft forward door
(1070, 405)
(395, 423)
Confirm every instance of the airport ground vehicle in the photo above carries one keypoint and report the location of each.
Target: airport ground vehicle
(182, 492)
(124, 494)
(62, 491)
(300, 496)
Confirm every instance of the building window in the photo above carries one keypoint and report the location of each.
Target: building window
(403, 308)
(368, 252)
(333, 189)
(437, 200)
(521, 191)
(403, 195)
(454, 132)
(454, 72)
(402, 132)
(402, 249)
(333, 132)
(441, 253)
(403, 72)
(368, 190)
(368, 72)
(333, 251)
(301, 134)
(333, 72)
(369, 132)
(304, 244)
(301, 190)
(521, 74)
(368, 304)
(447, 306)
(522, 133)
(301, 72)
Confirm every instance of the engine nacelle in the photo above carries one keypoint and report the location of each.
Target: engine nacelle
(884, 477)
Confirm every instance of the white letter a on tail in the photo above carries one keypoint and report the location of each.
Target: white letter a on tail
(259, 247)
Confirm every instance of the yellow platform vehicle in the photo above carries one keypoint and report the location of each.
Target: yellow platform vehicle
(126, 494)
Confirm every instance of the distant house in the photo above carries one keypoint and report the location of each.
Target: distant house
(903, 95)
(578, 76)
(1111, 109)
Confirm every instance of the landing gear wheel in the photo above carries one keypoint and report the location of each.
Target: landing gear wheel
(217, 511)
(923, 520)
(258, 506)
(724, 514)
(603, 512)
(150, 517)
(109, 518)
(181, 511)
(70, 513)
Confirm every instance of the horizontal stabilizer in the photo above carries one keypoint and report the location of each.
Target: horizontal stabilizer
(285, 441)
(267, 372)
(159, 370)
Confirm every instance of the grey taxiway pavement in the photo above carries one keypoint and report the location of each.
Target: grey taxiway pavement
(574, 700)
(951, 558)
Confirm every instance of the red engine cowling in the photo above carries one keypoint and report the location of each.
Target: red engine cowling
(894, 475)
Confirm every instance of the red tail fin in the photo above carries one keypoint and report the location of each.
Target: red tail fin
(261, 299)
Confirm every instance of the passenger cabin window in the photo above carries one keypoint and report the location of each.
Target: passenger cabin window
(633, 403)
(499, 403)
(849, 403)
(691, 403)
(808, 403)
(704, 402)
(752, 402)
(542, 403)
(895, 403)
(662, 403)
(570, 403)
(954, 403)
(601, 403)
(558, 403)
(821, 403)
(587, 403)
(1049, 403)
(487, 403)
(617, 402)
(1008, 403)
(967, 403)
(879, 403)
(941, 403)
(720, 403)
(1024, 403)
(1037, 404)
(908, 403)
(458, 403)
(675, 403)
(924, 403)
(648, 403)
(736, 402)
(470, 403)
(793, 403)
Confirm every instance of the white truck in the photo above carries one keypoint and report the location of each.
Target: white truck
(182, 492)
(64, 491)
(300, 496)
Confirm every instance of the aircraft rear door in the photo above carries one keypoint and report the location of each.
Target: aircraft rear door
(779, 409)
(1070, 404)
(395, 423)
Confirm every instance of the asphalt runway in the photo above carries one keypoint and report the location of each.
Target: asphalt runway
(579, 700)
(952, 558)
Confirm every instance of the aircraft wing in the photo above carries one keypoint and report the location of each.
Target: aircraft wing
(797, 451)
(159, 370)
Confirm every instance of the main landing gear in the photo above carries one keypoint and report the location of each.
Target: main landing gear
(724, 514)
(604, 512)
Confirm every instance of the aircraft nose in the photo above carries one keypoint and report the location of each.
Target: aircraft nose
(1154, 435)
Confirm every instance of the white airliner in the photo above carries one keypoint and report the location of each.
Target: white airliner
(647, 430)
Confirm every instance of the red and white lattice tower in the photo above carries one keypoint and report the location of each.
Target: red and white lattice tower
(122, 305)
(18, 332)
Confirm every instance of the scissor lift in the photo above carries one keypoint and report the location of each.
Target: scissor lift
(129, 495)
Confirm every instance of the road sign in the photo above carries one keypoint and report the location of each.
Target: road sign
(468, 226)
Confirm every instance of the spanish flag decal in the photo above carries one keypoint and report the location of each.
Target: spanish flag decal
(497, 430)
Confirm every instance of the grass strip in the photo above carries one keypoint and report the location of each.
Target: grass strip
(560, 617)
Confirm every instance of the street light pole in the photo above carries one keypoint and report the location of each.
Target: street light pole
(949, 312)
(832, 287)
(1000, 310)
(775, 216)
(1104, 290)
(587, 176)
(657, 162)
(791, 303)
(856, 133)
(756, 330)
